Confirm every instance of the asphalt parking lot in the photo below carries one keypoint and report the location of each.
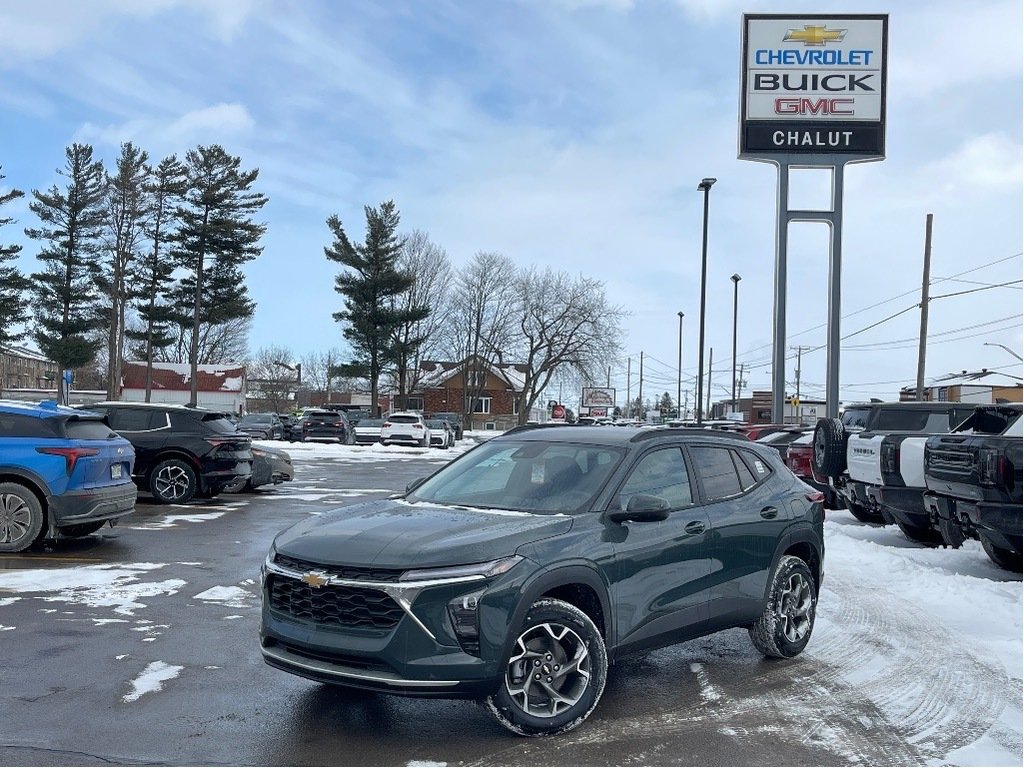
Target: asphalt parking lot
(139, 646)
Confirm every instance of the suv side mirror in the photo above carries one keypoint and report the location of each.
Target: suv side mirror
(642, 508)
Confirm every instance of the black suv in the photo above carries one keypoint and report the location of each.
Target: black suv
(180, 452)
(519, 571)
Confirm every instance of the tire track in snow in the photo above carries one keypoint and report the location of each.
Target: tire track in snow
(896, 658)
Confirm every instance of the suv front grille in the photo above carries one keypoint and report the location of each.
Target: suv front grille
(331, 605)
(348, 572)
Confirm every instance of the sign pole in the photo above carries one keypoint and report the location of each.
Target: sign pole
(835, 264)
(779, 323)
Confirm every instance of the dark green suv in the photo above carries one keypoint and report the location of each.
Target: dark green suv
(518, 572)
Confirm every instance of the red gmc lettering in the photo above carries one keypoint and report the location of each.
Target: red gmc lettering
(805, 106)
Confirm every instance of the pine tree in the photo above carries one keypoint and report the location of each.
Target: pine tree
(66, 301)
(13, 284)
(127, 207)
(371, 317)
(216, 235)
(152, 273)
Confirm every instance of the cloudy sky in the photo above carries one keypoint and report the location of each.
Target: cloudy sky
(569, 133)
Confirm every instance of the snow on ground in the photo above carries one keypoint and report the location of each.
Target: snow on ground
(117, 586)
(377, 452)
(151, 680)
(929, 637)
(234, 597)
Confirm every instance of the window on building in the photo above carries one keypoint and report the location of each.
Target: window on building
(515, 405)
(414, 403)
(478, 405)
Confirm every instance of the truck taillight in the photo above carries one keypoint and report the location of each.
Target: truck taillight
(890, 458)
(992, 464)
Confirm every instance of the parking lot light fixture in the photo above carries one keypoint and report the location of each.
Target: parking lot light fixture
(705, 187)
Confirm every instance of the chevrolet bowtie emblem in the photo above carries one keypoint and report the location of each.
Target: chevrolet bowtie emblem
(315, 579)
(815, 35)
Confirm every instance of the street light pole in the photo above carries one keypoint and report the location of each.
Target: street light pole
(997, 344)
(679, 378)
(735, 316)
(705, 187)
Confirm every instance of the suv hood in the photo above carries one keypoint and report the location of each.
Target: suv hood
(394, 533)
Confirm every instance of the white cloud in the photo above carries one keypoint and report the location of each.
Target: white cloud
(208, 125)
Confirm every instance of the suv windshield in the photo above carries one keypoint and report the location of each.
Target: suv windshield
(524, 476)
(256, 418)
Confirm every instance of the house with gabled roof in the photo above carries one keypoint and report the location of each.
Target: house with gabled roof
(486, 392)
(220, 387)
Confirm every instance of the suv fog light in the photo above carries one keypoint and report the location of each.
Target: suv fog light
(462, 611)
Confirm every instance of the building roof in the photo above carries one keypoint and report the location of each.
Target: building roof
(435, 373)
(25, 352)
(229, 377)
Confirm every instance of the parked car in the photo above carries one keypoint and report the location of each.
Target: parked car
(781, 440)
(319, 424)
(262, 426)
(879, 475)
(288, 421)
(757, 431)
(625, 540)
(407, 428)
(799, 459)
(453, 419)
(441, 433)
(63, 472)
(180, 452)
(270, 466)
(974, 478)
(367, 431)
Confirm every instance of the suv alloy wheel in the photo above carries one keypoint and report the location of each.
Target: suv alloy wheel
(21, 517)
(784, 629)
(555, 673)
(172, 481)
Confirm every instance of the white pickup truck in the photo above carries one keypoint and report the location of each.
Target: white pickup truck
(875, 460)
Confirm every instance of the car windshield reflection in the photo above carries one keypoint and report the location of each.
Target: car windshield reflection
(527, 476)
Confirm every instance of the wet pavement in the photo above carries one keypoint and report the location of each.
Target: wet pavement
(139, 646)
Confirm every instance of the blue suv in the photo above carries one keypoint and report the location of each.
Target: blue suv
(63, 472)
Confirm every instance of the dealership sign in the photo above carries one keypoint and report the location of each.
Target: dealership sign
(813, 84)
(598, 396)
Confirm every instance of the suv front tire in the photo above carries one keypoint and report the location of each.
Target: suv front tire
(555, 672)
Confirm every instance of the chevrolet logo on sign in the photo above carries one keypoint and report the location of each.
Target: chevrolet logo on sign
(815, 35)
(315, 579)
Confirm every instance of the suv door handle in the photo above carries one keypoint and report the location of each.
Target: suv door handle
(694, 527)
(769, 513)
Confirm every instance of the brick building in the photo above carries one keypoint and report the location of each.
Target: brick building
(443, 388)
(22, 368)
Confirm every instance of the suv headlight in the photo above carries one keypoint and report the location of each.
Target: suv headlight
(463, 572)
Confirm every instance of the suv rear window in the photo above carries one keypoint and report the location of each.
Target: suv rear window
(403, 419)
(323, 415)
(87, 429)
(219, 423)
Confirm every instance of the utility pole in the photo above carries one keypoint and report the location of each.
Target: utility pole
(923, 344)
(629, 403)
(739, 386)
(640, 394)
(608, 383)
(799, 356)
(686, 403)
(711, 358)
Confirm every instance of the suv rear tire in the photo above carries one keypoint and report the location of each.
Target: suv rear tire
(1004, 558)
(921, 535)
(785, 626)
(21, 517)
(829, 457)
(558, 663)
(172, 481)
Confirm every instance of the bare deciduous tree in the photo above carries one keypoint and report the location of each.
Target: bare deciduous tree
(482, 319)
(564, 324)
(420, 339)
(276, 385)
(320, 375)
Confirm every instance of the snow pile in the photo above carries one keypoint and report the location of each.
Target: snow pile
(151, 679)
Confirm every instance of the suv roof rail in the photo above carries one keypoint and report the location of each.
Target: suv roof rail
(646, 434)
